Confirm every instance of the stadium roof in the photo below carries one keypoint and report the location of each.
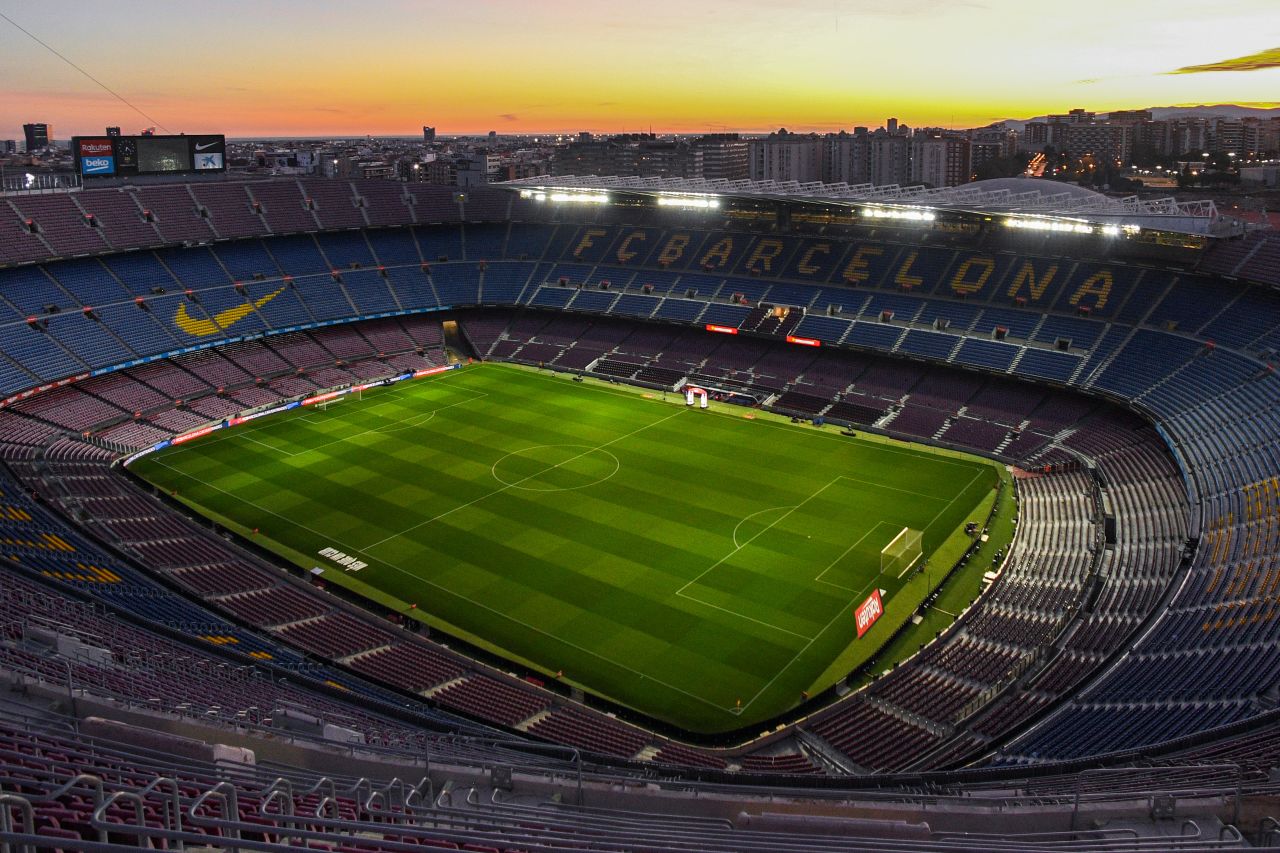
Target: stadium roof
(1030, 197)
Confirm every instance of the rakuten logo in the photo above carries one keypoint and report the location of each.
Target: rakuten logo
(868, 612)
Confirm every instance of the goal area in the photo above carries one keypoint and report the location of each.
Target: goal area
(902, 552)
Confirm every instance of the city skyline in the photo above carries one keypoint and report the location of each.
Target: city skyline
(285, 69)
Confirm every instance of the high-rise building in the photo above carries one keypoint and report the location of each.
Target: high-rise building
(939, 160)
(113, 131)
(1191, 135)
(724, 156)
(428, 134)
(1076, 116)
(1227, 135)
(785, 156)
(640, 154)
(465, 171)
(890, 158)
(37, 135)
(1129, 117)
(1110, 142)
(1156, 137)
(1035, 135)
(9, 146)
(982, 152)
(848, 157)
(1261, 136)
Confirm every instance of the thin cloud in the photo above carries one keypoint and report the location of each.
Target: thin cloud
(1259, 61)
(509, 117)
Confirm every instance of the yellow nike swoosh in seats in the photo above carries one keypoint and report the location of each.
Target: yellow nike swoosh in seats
(198, 328)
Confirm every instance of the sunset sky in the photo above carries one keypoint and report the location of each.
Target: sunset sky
(389, 66)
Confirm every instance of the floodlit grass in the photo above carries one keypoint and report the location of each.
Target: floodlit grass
(699, 567)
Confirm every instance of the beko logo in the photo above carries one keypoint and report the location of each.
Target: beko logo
(97, 165)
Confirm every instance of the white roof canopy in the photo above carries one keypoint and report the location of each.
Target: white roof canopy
(1025, 196)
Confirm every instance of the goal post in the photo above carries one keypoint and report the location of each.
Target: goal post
(902, 552)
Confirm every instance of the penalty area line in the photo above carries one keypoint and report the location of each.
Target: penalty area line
(756, 536)
(860, 540)
(688, 597)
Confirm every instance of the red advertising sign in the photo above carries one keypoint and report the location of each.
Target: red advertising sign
(320, 398)
(95, 147)
(804, 342)
(724, 330)
(868, 612)
(194, 434)
(432, 371)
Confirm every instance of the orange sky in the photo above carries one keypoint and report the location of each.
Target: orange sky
(276, 67)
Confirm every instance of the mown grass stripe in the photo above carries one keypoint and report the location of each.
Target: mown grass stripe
(586, 580)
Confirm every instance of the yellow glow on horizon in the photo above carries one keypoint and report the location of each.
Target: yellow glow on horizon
(674, 65)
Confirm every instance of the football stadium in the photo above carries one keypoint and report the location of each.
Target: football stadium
(636, 514)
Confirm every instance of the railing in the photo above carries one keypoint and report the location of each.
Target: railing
(19, 181)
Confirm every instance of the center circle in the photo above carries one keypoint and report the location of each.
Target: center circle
(555, 467)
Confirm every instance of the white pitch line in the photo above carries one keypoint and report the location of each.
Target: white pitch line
(953, 499)
(455, 593)
(756, 536)
(878, 485)
(688, 597)
(681, 591)
(861, 538)
(426, 416)
(738, 526)
(840, 612)
(247, 437)
(270, 422)
(931, 455)
(369, 547)
(789, 663)
(557, 638)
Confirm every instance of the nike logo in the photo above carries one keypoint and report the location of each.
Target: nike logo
(198, 328)
(206, 145)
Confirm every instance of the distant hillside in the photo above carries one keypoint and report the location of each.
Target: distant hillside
(1200, 111)
(1206, 111)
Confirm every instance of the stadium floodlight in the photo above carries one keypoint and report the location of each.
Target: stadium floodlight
(899, 213)
(902, 552)
(1065, 226)
(691, 201)
(570, 197)
(581, 198)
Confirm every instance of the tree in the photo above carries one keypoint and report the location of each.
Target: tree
(1002, 167)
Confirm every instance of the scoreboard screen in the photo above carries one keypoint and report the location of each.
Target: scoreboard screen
(126, 156)
(163, 154)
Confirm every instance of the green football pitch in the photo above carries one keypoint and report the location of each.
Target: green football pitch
(700, 567)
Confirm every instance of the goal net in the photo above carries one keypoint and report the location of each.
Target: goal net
(902, 552)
